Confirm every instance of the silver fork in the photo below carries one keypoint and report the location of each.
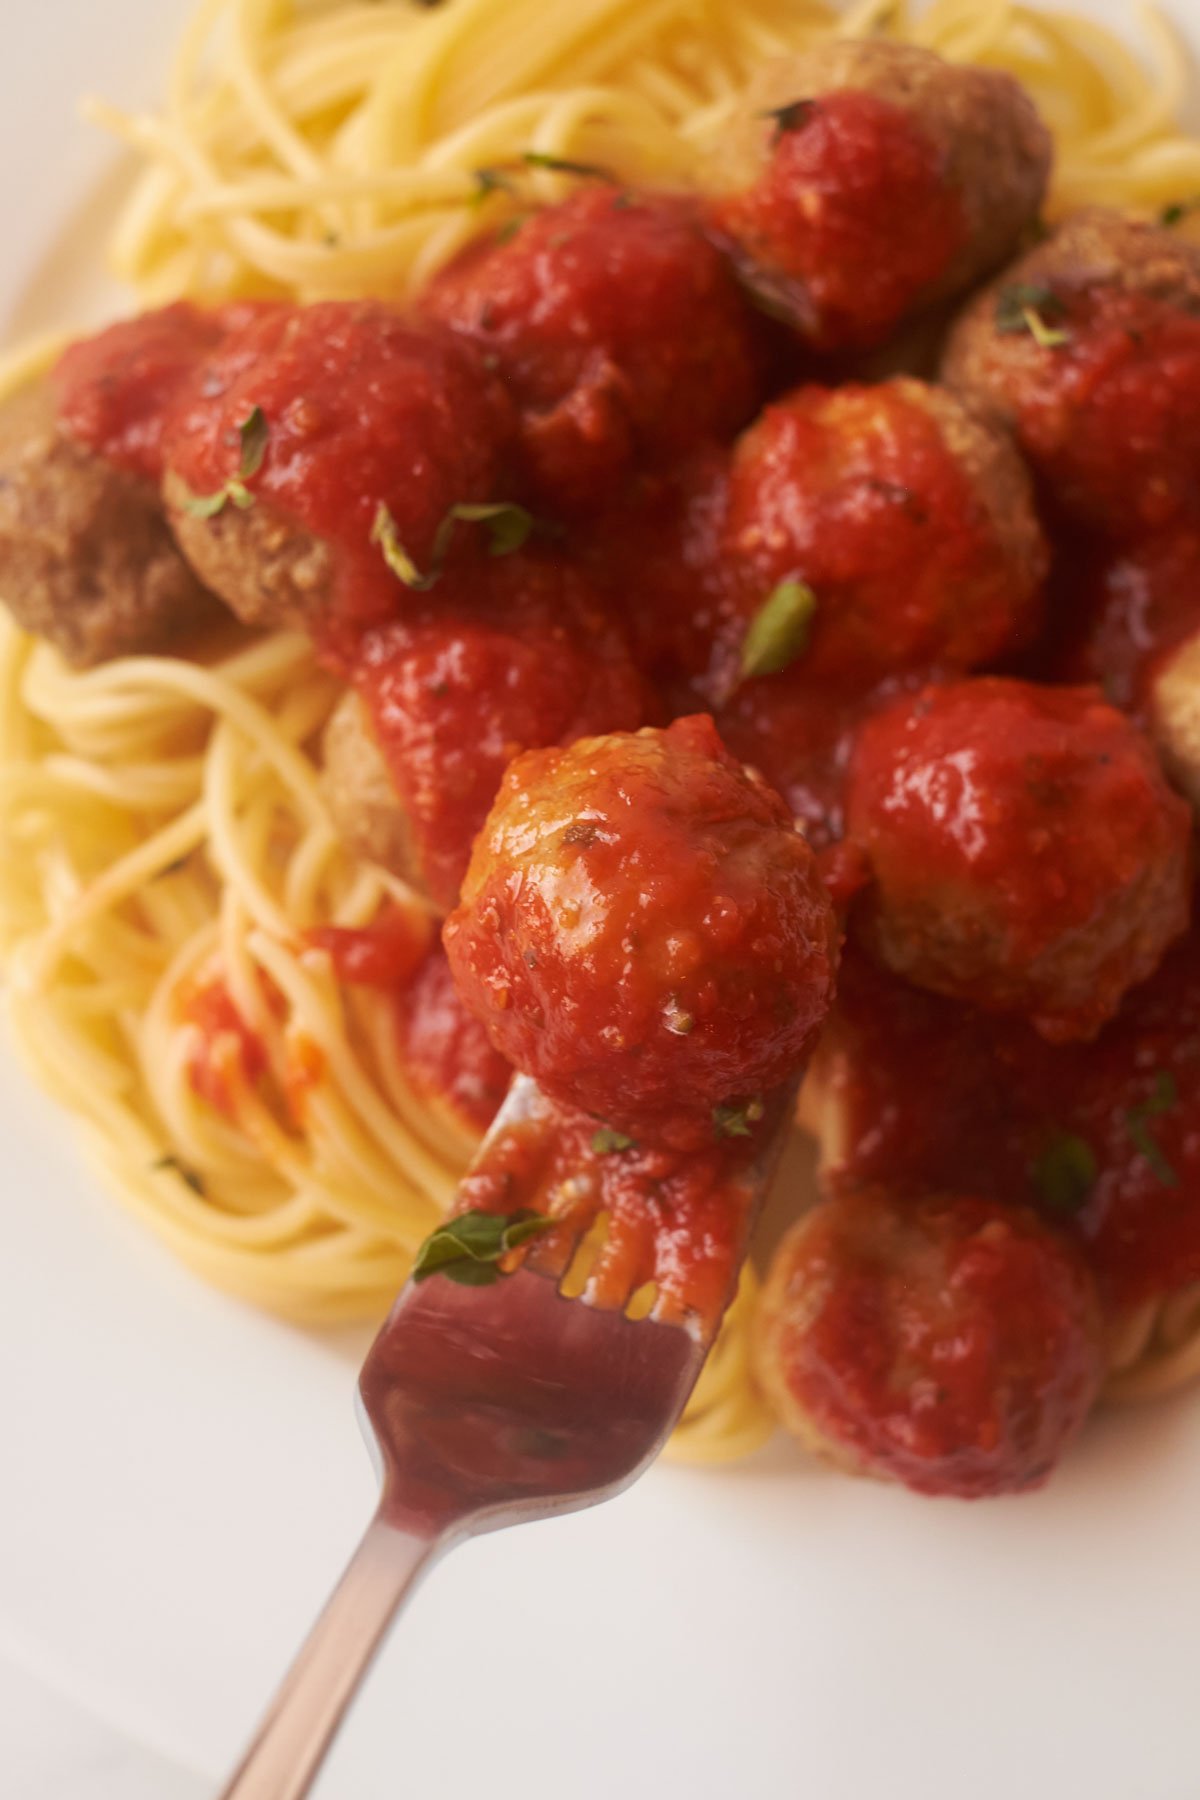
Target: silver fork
(487, 1406)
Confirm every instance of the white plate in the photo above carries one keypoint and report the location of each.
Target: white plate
(181, 1479)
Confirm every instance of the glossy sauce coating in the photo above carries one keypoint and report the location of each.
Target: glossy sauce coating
(516, 654)
(643, 931)
(943, 1342)
(1025, 849)
(619, 330)
(827, 229)
(925, 1093)
(116, 389)
(362, 409)
(911, 524)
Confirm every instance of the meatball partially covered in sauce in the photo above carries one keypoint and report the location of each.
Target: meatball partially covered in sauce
(318, 454)
(86, 558)
(910, 522)
(946, 1342)
(1026, 852)
(619, 330)
(1088, 349)
(514, 655)
(874, 179)
(644, 932)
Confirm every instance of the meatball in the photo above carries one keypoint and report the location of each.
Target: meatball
(522, 657)
(1121, 614)
(86, 559)
(1102, 1138)
(644, 932)
(1026, 852)
(1088, 350)
(115, 389)
(314, 456)
(943, 1342)
(874, 179)
(618, 328)
(446, 1054)
(910, 522)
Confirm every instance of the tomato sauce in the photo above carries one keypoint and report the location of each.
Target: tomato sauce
(384, 954)
(851, 222)
(1102, 1138)
(115, 390)
(362, 410)
(228, 1054)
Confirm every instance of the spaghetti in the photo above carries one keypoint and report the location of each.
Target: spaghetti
(162, 821)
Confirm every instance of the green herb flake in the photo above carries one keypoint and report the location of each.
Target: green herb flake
(386, 536)
(190, 1177)
(1163, 1096)
(253, 436)
(562, 165)
(1179, 210)
(736, 1121)
(779, 631)
(507, 232)
(468, 1248)
(1065, 1173)
(1031, 307)
(492, 179)
(607, 1142)
(792, 116)
(508, 527)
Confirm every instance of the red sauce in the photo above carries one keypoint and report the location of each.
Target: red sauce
(445, 1050)
(1110, 418)
(935, 1096)
(944, 1342)
(227, 1054)
(677, 1220)
(384, 954)
(363, 408)
(618, 328)
(520, 655)
(115, 389)
(850, 223)
(643, 931)
(1026, 851)
(1122, 615)
(857, 492)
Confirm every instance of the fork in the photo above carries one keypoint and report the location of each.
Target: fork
(489, 1406)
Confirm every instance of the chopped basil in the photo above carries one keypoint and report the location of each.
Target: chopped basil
(468, 1248)
(1163, 1096)
(1179, 210)
(779, 631)
(1029, 306)
(387, 537)
(1065, 1173)
(492, 179)
(735, 1121)
(507, 232)
(792, 116)
(508, 528)
(253, 434)
(191, 1177)
(607, 1142)
(561, 165)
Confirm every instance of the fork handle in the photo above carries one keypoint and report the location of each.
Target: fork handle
(283, 1760)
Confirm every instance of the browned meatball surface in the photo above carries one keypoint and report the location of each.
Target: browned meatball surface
(870, 179)
(1088, 350)
(86, 559)
(367, 812)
